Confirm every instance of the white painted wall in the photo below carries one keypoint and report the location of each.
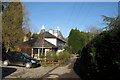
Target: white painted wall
(58, 51)
(52, 40)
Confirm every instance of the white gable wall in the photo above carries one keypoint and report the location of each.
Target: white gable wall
(52, 40)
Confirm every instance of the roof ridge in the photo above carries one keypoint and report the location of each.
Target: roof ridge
(55, 36)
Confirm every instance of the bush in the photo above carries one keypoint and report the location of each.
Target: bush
(64, 56)
(101, 56)
(55, 57)
(49, 55)
(42, 56)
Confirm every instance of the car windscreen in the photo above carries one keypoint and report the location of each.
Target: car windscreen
(27, 56)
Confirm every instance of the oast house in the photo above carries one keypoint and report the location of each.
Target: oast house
(45, 41)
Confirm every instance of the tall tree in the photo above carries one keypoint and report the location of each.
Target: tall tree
(111, 23)
(26, 19)
(12, 22)
(76, 40)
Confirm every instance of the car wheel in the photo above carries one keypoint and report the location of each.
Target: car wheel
(28, 65)
(6, 63)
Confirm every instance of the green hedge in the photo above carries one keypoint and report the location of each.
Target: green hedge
(101, 57)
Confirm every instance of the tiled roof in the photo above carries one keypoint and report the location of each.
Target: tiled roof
(49, 35)
(39, 41)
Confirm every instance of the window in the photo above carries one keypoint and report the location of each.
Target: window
(18, 55)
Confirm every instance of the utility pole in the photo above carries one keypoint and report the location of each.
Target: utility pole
(42, 32)
(42, 43)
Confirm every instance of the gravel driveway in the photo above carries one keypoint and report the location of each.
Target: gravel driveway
(64, 71)
(22, 72)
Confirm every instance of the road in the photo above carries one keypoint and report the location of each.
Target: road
(64, 71)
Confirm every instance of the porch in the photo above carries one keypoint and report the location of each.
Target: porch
(37, 52)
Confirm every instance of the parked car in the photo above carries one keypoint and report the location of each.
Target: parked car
(20, 58)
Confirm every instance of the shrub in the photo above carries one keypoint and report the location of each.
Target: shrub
(42, 56)
(101, 56)
(55, 57)
(64, 56)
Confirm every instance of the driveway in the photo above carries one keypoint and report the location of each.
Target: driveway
(64, 71)
(22, 72)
